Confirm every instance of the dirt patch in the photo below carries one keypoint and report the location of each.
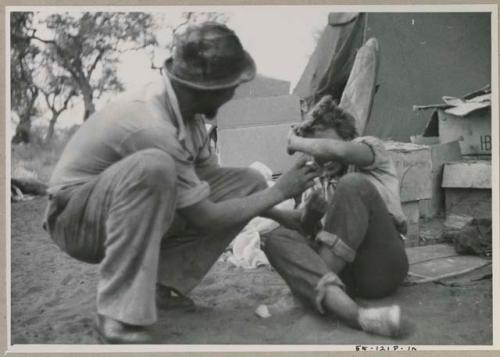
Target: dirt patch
(53, 302)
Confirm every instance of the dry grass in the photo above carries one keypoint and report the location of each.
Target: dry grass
(37, 159)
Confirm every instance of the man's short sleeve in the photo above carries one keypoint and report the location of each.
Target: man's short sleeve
(381, 158)
(190, 189)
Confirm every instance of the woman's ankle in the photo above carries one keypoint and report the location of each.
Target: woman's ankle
(337, 303)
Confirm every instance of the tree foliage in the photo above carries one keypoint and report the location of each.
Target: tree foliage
(60, 57)
(24, 59)
(88, 45)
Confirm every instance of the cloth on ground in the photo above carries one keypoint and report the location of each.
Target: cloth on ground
(245, 250)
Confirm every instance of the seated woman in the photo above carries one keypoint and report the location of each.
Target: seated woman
(358, 250)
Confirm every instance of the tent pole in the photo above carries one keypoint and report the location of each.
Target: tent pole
(366, 27)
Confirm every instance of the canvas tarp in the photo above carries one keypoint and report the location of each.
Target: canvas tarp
(423, 57)
(330, 64)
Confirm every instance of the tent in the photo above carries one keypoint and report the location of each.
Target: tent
(330, 64)
(423, 57)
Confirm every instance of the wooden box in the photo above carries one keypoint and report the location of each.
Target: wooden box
(440, 154)
(262, 87)
(472, 131)
(467, 187)
(413, 165)
(256, 129)
(414, 168)
(412, 213)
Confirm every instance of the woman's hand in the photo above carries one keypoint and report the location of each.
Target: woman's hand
(314, 210)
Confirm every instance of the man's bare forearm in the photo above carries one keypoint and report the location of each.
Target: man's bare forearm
(289, 218)
(233, 212)
(276, 214)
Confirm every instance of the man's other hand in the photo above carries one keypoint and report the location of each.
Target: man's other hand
(299, 178)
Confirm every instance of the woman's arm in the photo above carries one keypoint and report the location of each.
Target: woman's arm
(288, 218)
(347, 152)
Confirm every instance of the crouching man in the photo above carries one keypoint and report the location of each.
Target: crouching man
(138, 189)
(357, 251)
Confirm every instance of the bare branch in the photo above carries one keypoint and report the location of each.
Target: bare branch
(99, 56)
(68, 98)
(52, 106)
(100, 91)
(33, 37)
(54, 99)
(46, 95)
(137, 48)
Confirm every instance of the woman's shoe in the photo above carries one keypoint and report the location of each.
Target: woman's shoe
(384, 321)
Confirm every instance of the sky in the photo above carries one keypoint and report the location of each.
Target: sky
(280, 39)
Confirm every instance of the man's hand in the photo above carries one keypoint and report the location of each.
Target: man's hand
(235, 212)
(296, 180)
(292, 138)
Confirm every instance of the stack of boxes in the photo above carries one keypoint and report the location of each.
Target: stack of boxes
(467, 182)
(461, 159)
(420, 171)
(254, 125)
(256, 129)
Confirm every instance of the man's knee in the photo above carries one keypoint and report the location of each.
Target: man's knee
(354, 183)
(157, 168)
(253, 179)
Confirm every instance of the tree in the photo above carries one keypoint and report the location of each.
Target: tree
(58, 92)
(87, 46)
(24, 58)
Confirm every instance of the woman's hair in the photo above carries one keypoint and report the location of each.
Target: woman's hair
(327, 114)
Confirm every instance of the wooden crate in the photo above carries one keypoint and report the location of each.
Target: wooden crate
(467, 188)
(440, 154)
(411, 211)
(414, 168)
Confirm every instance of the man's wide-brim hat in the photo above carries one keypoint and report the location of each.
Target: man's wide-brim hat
(209, 56)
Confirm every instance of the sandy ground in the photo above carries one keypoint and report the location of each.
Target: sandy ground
(53, 302)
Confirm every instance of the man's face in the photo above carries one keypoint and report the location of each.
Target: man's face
(210, 101)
